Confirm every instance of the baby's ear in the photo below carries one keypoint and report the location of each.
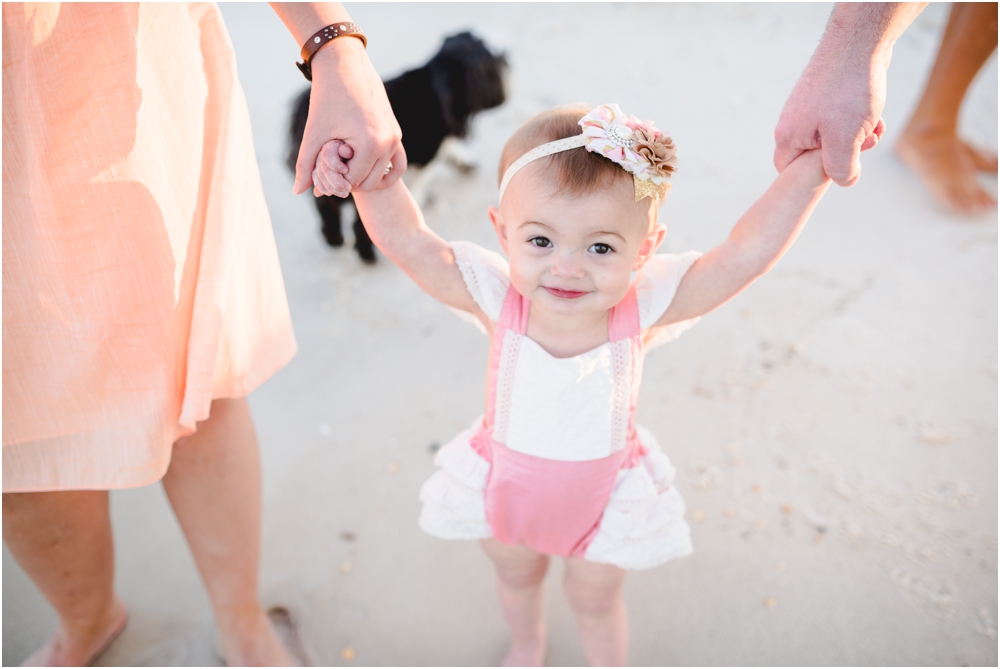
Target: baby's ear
(497, 220)
(649, 245)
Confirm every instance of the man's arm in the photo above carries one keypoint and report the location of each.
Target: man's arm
(348, 102)
(837, 103)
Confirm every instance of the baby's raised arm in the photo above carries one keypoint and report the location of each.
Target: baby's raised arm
(395, 224)
(761, 236)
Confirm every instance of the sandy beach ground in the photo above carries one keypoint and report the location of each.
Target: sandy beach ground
(834, 428)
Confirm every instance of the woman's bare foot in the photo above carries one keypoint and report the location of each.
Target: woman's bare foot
(257, 645)
(947, 166)
(81, 647)
(525, 656)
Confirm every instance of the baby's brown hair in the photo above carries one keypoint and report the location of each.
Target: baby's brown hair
(577, 170)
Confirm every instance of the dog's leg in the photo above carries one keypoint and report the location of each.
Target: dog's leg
(453, 155)
(457, 154)
(423, 183)
(329, 211)
(418, 181)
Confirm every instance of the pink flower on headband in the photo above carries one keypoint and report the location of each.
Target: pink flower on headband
(629, 142)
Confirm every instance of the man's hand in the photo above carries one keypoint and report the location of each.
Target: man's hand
(836, 106)
(349, 103)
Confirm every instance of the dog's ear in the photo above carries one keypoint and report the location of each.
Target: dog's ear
(297, 127)
(484, 79)
(467, 78)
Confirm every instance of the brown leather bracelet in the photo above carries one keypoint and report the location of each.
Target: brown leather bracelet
(325, 36)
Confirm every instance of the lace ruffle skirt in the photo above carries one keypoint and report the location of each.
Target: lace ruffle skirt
(642, 526)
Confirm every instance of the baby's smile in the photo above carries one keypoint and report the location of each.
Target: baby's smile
(571, 253)
(565, 294)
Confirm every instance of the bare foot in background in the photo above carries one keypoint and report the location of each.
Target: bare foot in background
(259, 647)
(948, 166)
(524, 656)
(80, 648)
(930, 144)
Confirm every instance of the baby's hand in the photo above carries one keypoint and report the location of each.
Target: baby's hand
(328, 176)
(809, 168)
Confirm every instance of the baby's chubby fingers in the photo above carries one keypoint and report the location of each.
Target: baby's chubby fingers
(326, 182)
(328, 176)
(331, 185)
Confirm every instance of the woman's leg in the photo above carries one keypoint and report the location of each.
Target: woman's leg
(594, 592)
(520, 572)
(930, 144)
(214, 486)
(63, 541)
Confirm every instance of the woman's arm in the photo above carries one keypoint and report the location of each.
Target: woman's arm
(761, 236)
(348, 102)
(397, 227)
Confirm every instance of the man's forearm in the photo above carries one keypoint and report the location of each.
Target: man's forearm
(868, 29)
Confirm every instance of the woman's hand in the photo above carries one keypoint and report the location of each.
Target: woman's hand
(349, 103)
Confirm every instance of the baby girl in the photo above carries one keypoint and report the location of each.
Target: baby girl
(557, 465)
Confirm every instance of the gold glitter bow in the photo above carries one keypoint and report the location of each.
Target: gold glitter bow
(646, 188)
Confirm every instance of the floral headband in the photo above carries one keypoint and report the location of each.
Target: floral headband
(642, 150)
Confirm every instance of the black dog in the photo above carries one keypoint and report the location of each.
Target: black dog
(431, 103)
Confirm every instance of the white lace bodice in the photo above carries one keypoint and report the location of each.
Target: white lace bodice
(570, 409)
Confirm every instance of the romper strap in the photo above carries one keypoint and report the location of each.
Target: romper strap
(623, 321)
(514, 314)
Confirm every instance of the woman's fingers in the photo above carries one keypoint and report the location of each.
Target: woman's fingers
(398, 167)
(304, 168)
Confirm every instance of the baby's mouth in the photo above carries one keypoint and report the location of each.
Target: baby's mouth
(565, 294)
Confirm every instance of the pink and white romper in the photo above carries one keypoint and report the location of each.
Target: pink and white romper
(558, 463)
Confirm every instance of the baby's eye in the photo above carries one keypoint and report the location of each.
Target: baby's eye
(541, 242)
(601, 249)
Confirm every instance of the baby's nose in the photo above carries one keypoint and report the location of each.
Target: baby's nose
(567, 266)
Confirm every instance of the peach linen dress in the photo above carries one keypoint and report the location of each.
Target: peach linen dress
(140, 274)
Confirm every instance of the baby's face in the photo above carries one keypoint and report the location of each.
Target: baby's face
(571, 254)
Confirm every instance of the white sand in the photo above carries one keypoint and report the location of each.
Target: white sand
(834, 428)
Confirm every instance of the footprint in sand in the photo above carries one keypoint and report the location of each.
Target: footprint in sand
(939, 594)
(987, 625)
(949, 494)
(709, 476)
